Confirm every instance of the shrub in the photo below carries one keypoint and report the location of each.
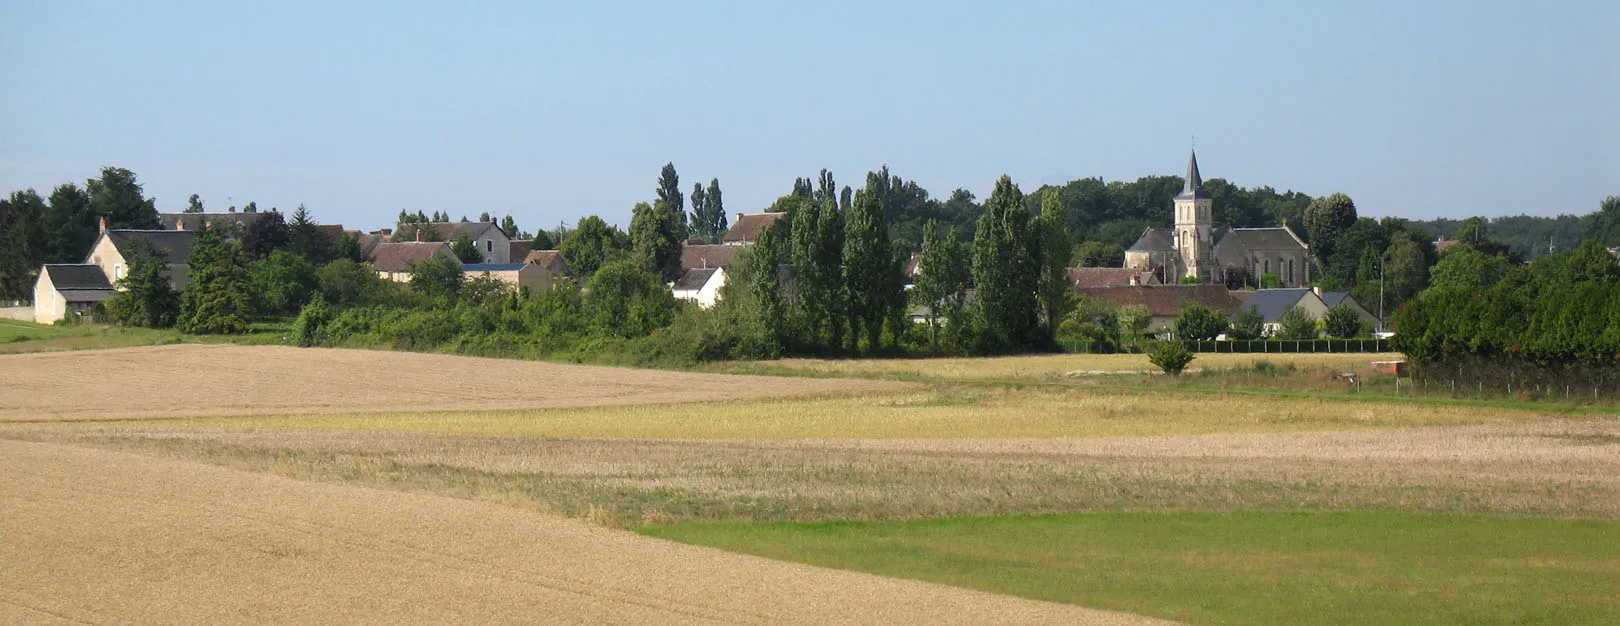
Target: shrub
(1295, 323)
(1342, 322)
(311, 322)
(1171, 356)
(1247, 323)
(1198, 323)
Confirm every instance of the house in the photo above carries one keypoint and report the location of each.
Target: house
(1270, 304)
(518, 275)
(747, 228)
(112, 249)
(492, 242)
(393, 261)
(196, 221)
(700, 285)
(64, 289)
(1087, 277)
(1263, 251)
(1442, 245)
(708, 256)
(553, 267)
(1164, 303)
(1335, 298)
(518, 249)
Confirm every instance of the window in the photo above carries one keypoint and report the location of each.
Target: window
(1268, 266)
(1290, 271)
(489, 245)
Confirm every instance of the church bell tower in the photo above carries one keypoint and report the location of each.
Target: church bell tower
(1194, 222)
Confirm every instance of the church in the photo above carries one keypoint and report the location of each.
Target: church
(1188, 249)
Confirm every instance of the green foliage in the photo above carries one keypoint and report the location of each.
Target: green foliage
(345, 283)
(708, 211)
(1170, 356)
(591, 244)
(1295, 323)
(1247, 324)
(22, 243)
(1604, 226)
(310, 325)
(305, 239)
(623, 299)
(145, 298)
(669, 193)
(1006, 264)
(1343, 322)
(194, 204)
(1198, 323)
(465, 250)
(484, 289)
(1466, 267)
(218, 298)
(816, 242)
(348, 248)
(868, 266)
(1270, 281)
(1057, 254)
(437, 278)
(1100, 254)
(283, 282)
(265, 235)
(1326, 219)
(1190, 280)
(70, 225)
(118, 197)
(1134, 318)
(943, 273)
(656, 232)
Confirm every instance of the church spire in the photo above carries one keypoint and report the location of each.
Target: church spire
(1194, 187)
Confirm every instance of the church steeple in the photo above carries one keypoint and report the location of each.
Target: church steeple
(1194, 187)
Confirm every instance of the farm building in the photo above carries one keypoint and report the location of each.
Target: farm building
(492, 242)
(700, 285)
(551, 265)
(64, 289)
(1164, 303)
(709, 256)
(393, 261)
(112, 250)
(518, 275)
(747, 228)
(1270, 304)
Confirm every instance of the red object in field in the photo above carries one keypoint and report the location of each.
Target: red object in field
(1397, 368)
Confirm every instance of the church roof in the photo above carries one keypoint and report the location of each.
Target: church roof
(1154, 240)
(1281, 238)
(1194, 187)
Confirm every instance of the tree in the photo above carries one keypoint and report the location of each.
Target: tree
(815, 242)
(22, 243)
(1465, 267)
(1342, 322)
(1247, 324)
(591, 244)
(624, 299)
(252, 207)
(1326, 219)
(344, 282)
(1198, 323)
(1295, 323)
(700, 215)
(465, 250)
(194, 204)
(709, 214)
(1134, 318)
(349, 248)
(70, 225)
(1006, 270)
(1100, 254)
(1057, 254)
(305, 239)
(439, 278)
(218, 298)
(509, 227)
(1406, 272)
(265, 235)
(866, 259)
(656, 233)
(542, 241)
(483, 217)
(1604, 225)
(669, 192)
(144, 298)
(117, 197)
(283, 282)
(933, 281)
(1171, 356)
(1271, 281)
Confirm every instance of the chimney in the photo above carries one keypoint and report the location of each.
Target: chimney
(1136, 281)
(232, 209)
(103, 224)
(739, 216)
(418, 235)
(1318, 290)
(180, 224)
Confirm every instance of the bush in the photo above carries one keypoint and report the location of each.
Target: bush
(1198, 323)
(1247, 323)
(1295, 323)
(1171, 356)
(1343, 323)
(311, 322)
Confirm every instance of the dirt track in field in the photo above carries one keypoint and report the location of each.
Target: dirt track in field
(94, 536)
(220, 380)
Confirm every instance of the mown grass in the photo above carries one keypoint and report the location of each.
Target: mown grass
(940, 412)
(1233, 568)
(18, 337)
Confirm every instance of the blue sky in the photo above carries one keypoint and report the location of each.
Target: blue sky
(552, 111)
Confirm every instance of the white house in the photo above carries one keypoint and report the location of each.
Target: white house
(64, 289)
(700, 285)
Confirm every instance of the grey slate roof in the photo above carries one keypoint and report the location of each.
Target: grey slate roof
(1194, 187)
(716, 255)
(77, 277)
(1266, 238)
(195, 221)
(1270, 303)
(1333, 298)
(1154, 240)
(177, 243)
(694, 279)
(86, 295)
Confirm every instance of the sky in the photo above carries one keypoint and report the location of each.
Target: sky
(550, 111)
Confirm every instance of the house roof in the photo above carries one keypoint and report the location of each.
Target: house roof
(1279, 238)
(519, 248)
(332, 231)
(492, 267)
(1194, 187)
(1442, 245)
(1109, 276)
(86, 295)
(1166, 301)
(176, 242)
(749, 225)
(1270, 303)
(451, 231)
(717, 255)
(66, 277)
(1333, 298)
(1154, 240)
(695, 279)
(399, 257)
(194, 221)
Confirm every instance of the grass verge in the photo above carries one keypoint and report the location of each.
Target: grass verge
(1232, 568)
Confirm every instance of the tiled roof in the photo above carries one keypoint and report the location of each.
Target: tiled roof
(717, 255)
(1154, 240)
(694, 279)
(451, 231)
(519, 248)
(749, 225)
(69, 277)
(550, 259)
(492, 267)
(177, 243)
(1280, 238)
(399, 257)
(1166, 301)
(1109, 277)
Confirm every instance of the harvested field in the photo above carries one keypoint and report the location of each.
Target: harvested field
(104, 537)
(220, 380)
(1049, 365)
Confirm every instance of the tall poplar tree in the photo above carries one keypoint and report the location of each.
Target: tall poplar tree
(655, 232)
(867, 260)
(1057, 254)
(70, 225)
(1006, 269)
(699, 219)
(669, 192)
